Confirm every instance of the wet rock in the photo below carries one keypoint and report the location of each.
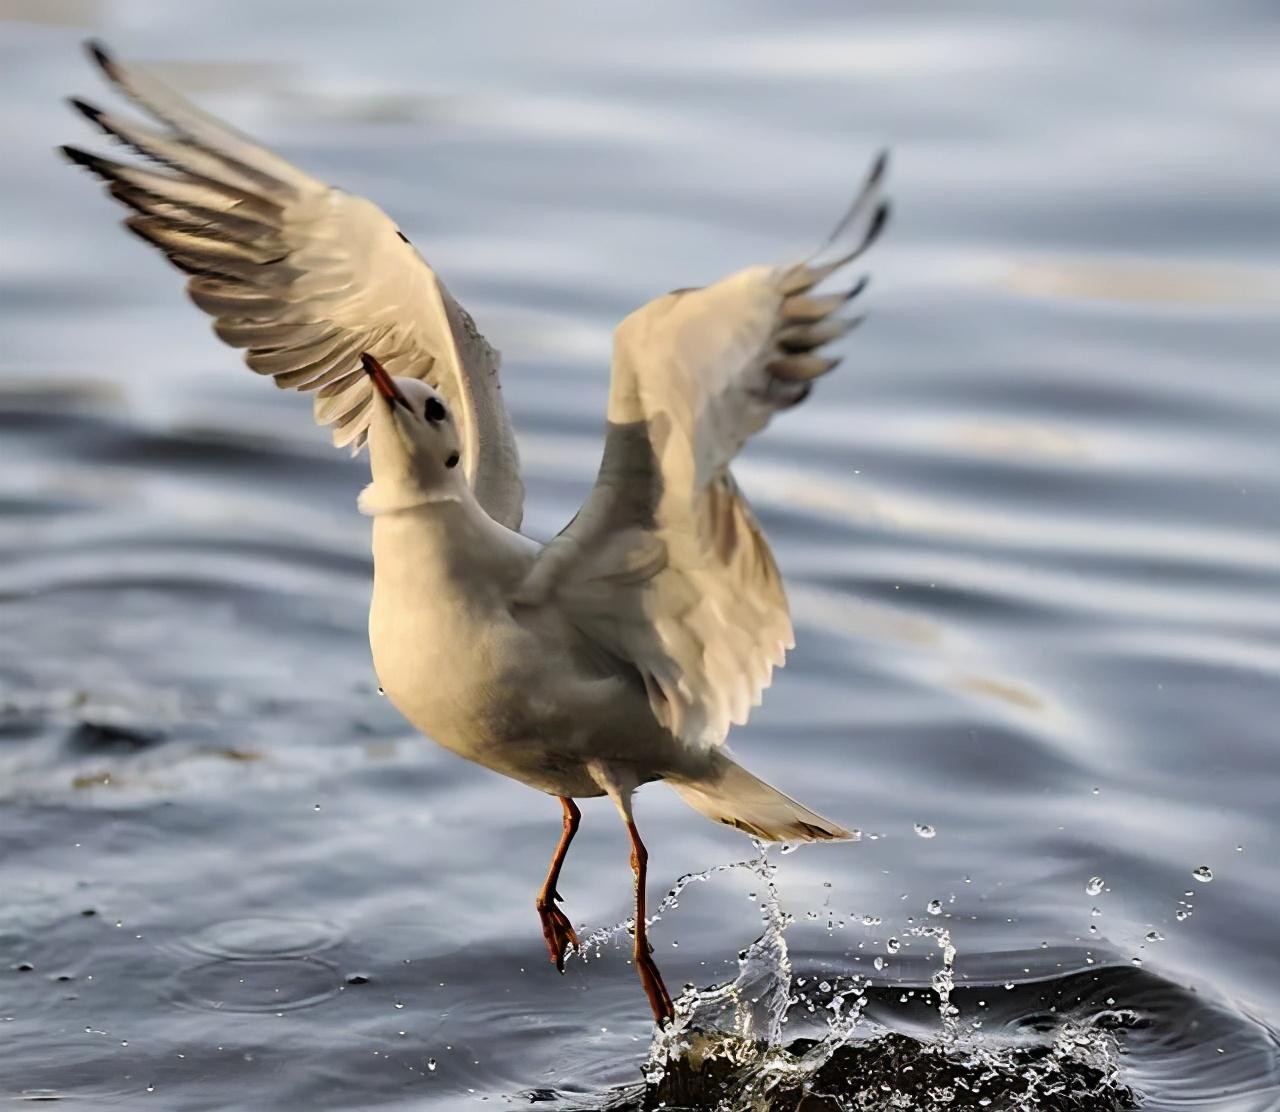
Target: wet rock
(890, 1071)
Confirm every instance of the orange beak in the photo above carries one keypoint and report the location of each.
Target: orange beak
(383, 382)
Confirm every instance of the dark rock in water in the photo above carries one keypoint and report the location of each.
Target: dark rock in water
(890, 1071)
(99, 737)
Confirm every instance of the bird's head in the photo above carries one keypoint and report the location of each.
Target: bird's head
(414, 447)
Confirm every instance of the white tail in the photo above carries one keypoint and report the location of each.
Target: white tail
(733, 796)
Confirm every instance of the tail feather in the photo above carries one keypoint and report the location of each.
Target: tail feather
(731, 795)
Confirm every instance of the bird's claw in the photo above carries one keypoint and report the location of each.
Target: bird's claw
(558, 932)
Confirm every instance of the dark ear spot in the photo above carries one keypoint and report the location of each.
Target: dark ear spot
(434, 410)
(452, 461)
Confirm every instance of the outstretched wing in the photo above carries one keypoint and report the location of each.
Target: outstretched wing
(665, 566)
(304, 277)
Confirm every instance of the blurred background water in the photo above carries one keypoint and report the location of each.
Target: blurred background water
(1030, 530)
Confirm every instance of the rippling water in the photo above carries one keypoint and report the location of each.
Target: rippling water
(1031, 531)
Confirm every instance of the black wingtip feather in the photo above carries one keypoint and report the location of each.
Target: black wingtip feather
(98, 52)
(88, 111)
(103, 168)
(879, 168)
(131, 198)
(79, 157)
(878, 221)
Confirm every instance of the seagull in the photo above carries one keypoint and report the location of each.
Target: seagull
(621, 651)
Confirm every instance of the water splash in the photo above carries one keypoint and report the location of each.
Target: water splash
(775, 1039)
(593, 944)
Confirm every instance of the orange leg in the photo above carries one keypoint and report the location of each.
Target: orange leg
(650, 978)
(556, 928)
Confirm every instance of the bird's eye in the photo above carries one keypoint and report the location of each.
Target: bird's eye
(434, 410)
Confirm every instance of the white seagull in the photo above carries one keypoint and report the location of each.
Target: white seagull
(618, 653)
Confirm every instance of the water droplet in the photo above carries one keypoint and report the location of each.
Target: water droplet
(1095, 911)
(1239, 849)
(1182, 915)
(824, 986)
(879, 962)
(892, 945)
(399, 1005)
(934, 907)
(315, 806)
(925, 830)
(1096, 884)
(1136, 961)
(1009, 986)
(790, 847)
(431, 1065)
(1203, 874)
(871, 920)
(1154, 936)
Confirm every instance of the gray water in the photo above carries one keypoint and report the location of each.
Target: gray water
(1030, 530)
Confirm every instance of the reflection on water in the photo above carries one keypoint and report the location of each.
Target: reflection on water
(1030, 533)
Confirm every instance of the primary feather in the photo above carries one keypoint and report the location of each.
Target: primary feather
(665, 564)
(304, 277)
